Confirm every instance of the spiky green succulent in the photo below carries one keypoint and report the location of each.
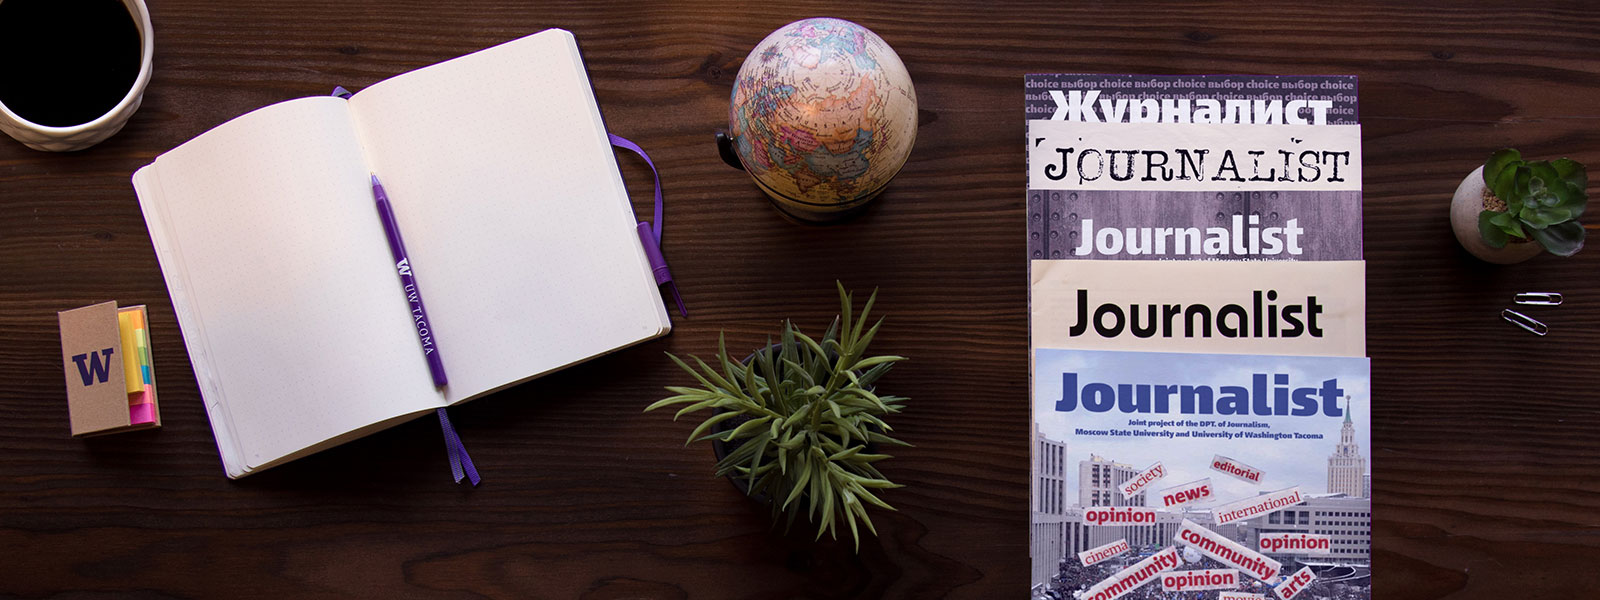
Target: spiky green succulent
(803, 412)
(1543, 202)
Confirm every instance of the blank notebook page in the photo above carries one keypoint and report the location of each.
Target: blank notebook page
(515, 216)
(282, 279)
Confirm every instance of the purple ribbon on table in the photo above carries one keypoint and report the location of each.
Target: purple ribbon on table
(460, 462)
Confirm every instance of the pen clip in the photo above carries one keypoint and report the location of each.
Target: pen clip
(1538, 298)
(658, 264)
(650, 231)
(1524, 321)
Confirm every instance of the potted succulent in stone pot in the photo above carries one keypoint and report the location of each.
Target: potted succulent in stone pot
(1510, 209)
(798, 423)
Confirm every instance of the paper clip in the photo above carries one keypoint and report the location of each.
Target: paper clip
(1524, 321)
(1538, 298)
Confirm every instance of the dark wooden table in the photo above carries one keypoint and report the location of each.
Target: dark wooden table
(1487, 473)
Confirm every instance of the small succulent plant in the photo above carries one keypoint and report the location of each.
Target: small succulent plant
(1542, 201)
(804, 415)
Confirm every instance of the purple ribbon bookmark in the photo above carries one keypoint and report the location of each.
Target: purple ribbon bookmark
(460, 462)
(650, 235)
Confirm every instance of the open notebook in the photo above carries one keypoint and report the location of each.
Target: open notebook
(513, 212)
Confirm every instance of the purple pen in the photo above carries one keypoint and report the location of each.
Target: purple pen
(408, 284)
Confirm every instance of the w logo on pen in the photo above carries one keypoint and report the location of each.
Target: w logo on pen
(91, 366)
(404, 266)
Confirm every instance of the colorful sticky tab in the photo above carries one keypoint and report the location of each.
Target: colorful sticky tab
(143, 340)
(137, 366)
(130, 352)
(145, 395)
(140, 414)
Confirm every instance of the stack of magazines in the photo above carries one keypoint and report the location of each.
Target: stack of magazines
(1200, 388)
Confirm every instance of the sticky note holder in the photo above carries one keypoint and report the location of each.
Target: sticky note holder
(105, 356)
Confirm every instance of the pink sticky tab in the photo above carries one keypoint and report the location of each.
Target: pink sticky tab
(142, 413)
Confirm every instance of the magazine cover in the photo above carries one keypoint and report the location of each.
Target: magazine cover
(1315, 308)
(1202, 476)
(1117, 163)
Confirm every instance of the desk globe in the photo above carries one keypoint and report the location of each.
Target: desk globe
(823, 116)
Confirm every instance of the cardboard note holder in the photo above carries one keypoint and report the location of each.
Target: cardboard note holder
(92, 351)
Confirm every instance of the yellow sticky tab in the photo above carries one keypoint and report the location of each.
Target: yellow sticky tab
(130, 351)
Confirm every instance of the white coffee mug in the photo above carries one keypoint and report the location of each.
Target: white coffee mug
(78, 137)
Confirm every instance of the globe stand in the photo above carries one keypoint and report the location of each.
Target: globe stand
(793, 210)
(725, 148)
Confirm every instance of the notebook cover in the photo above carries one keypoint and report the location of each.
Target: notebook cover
(90, 347)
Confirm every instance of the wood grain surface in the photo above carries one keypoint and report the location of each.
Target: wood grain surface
(1485, 458)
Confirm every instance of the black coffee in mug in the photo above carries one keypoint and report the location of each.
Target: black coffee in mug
(66, 62)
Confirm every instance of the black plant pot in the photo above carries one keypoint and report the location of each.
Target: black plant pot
(723, 449)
